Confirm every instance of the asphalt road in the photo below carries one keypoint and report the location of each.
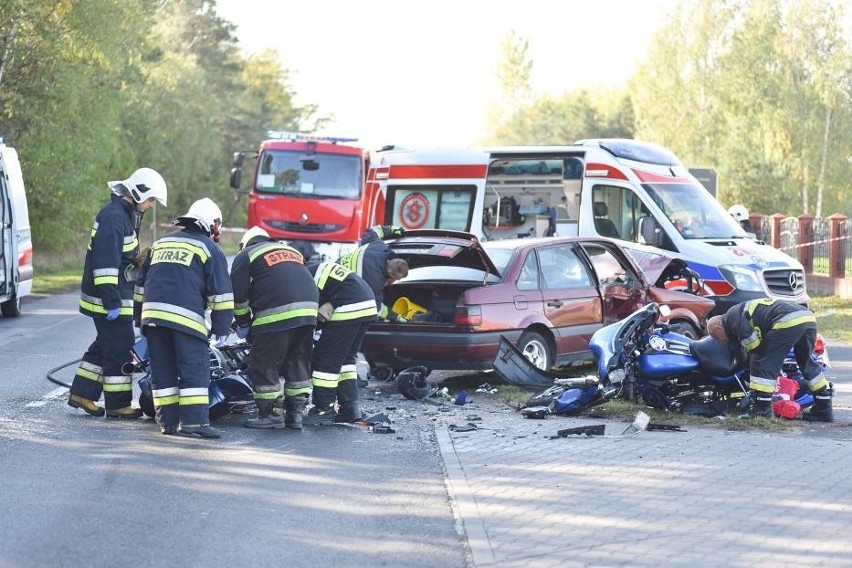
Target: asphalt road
(83, 491)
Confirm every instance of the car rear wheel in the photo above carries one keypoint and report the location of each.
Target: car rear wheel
(685, 328)
(536, 349)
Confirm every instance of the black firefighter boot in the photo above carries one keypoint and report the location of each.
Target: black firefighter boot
(349, 409)
(822, 410)
(761, 406)
(269, 416)
(323, 410)
(294, 407)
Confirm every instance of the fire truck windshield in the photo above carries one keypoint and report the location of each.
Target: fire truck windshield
(321, 175)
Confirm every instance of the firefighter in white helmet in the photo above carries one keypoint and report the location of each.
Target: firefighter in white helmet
(107, 295)
(185, 274)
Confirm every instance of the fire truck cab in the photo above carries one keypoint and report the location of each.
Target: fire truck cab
(308, 188)
(635, 192)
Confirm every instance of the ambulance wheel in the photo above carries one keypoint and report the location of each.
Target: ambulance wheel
(11, 308)
(146, 403)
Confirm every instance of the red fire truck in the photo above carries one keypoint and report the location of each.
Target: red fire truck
(309, 188)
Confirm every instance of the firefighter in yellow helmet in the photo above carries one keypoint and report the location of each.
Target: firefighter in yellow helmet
(107, 295)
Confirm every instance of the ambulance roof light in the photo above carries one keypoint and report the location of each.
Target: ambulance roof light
(301, 137)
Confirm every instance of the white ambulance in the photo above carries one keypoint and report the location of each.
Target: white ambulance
(635, 192)
(16, 247)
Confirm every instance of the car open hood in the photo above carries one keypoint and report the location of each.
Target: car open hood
(435, 247)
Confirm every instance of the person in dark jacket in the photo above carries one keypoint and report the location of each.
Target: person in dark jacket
(767, 329)
(107, 295)
(347, 307)
(374, 262)
(275, 305)
(184, 275)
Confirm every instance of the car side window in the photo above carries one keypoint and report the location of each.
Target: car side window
(608, 267)
(529, 273)
(561, 268)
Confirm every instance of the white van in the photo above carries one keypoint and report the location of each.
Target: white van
(632, 191)
(16, 246)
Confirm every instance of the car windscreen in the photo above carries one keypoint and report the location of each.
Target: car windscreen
(693, 211)
(328, 175)
(449, 274)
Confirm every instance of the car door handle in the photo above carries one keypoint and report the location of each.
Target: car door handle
(555, 303)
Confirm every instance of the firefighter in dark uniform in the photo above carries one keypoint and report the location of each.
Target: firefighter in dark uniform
(767, 329)
(275, 297)
(185, 274)
(107, 295)
(374, 262)
(347, 307)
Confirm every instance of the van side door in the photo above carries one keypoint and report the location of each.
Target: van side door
(7, 256)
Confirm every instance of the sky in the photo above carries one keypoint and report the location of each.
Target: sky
(424, 74)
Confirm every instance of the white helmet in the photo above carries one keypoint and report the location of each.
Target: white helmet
(143, 184)
(739, 212)
(206, 215)
(252, 233)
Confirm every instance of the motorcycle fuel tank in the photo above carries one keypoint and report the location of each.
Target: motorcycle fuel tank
(666, 357)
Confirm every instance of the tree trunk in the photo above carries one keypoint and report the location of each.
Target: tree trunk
(822, 165)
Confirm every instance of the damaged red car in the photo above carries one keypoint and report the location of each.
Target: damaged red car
(547, 295)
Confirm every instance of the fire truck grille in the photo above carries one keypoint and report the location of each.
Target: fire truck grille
(309, 228)
(787, 282)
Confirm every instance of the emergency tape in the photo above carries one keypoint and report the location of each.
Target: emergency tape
(823, 241)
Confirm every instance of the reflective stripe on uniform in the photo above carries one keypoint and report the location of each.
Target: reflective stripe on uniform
(348, 372)
(194, 395)
(241, 309)
(105, 276)
(762, 385)
(327, 380)
(285, 312)
(96, 305)
(795, 318)
(328, 270)
(130, 243)
(139, 294)
(357, 310)
(163, 397)
(291, 392)
(221, 301)
(90, 371)
(175, 314)
(190, 245)
(117, 383)
(817, 383)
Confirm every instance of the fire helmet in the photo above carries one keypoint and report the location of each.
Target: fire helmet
(253, 232)
(142, 185)
(205, 214)
(412, 384)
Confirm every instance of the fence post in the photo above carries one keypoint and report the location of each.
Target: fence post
(806, 235)
(837, 246)
(755, 220)
(775, 232)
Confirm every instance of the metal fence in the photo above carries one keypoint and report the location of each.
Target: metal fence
(819, 240)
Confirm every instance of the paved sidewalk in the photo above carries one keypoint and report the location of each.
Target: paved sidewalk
(705, 497)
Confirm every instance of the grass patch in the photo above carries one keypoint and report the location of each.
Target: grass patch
(833, 316)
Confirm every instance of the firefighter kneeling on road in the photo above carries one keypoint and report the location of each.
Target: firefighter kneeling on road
(374, 262)
(275, 305)
(347, 307)
(185, 274)
(767, 329)
(107, 296)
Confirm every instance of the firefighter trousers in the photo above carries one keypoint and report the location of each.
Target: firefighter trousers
(766, 361)
(100, 370)
(279, 354)
(180, 376)
(336, 353)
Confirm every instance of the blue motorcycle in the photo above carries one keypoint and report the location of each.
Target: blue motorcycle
(668, 371)
(230, 386)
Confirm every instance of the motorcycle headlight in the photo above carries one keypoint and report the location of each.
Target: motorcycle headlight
(616, 376)
(742, 278)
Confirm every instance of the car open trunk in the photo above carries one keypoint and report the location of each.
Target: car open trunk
(427, 303)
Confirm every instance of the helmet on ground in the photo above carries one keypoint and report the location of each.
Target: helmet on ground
(738, 212)
(253, 232)
(205, 214)
(412, 384)
(142, 185)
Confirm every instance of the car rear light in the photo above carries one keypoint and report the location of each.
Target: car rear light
(468, 315)
(819, 345)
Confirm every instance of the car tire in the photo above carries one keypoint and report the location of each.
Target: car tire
(11, 308)
(536, 349)
(686, 329)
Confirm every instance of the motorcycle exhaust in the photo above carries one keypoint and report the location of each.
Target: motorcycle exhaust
(130, 367)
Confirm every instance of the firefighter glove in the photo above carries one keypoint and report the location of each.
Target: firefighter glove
(401, 319)
(112, 314)
(325, 311)
(243, 331)
(219, 341)
(397, 231)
